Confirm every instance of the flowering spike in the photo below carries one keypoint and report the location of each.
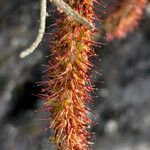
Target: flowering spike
(66, 86)
(124, 18)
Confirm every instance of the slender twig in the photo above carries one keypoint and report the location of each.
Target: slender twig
(72, 13)
(38, 39)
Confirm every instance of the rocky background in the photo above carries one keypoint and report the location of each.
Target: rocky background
(122, 98)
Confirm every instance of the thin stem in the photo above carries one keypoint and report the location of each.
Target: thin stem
(72, 13)
(39, 37)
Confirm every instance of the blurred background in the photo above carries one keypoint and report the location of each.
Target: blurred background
(121, 101)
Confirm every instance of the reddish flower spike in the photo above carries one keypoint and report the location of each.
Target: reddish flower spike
(124, 19)
(66, 86)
